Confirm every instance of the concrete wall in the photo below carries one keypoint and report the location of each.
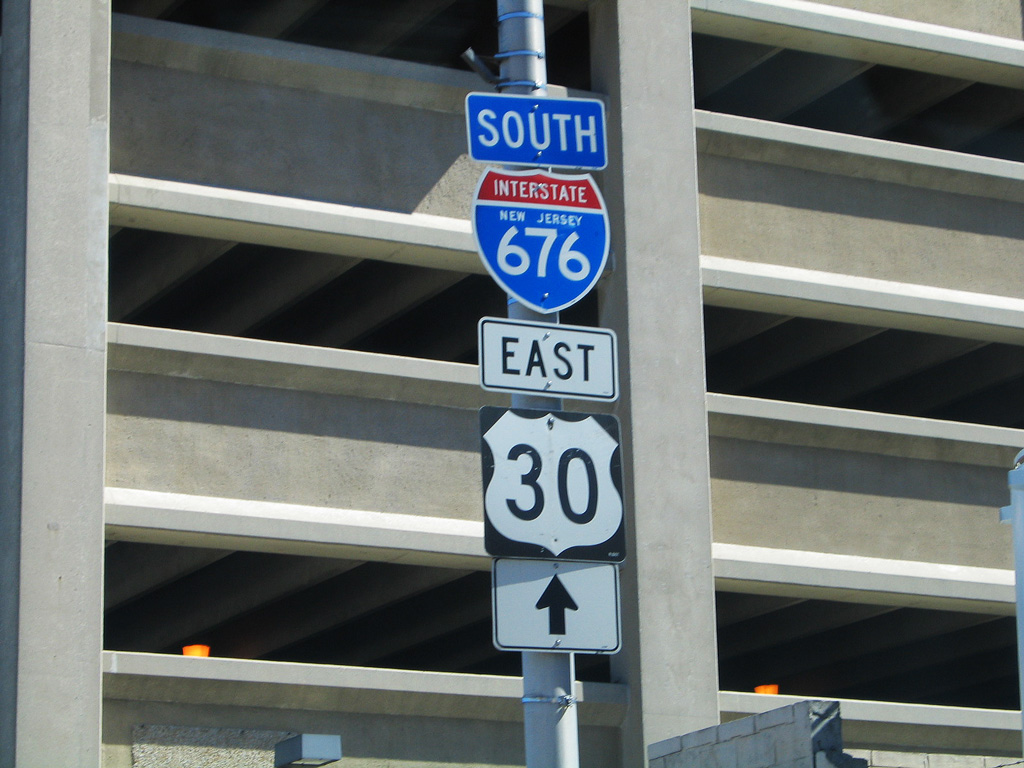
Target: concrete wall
(187, 710)
(803, 735)
(831, 500)
(877, 758)
(53, 219)
(797, 217)
(782, 484)
(200, 128)
(993, 17)
(249, 442)
(202, 106)
(143, 735)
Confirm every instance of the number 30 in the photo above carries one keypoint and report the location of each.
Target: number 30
(529, 479)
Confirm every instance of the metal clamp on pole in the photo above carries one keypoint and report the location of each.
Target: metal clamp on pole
(519, 15)
(521, 52)
(531, 84)
(563, 702)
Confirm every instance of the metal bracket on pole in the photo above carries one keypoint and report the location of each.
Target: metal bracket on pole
(469, 56)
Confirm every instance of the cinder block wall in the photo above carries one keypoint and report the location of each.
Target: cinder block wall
(804, 735)
(887, 759)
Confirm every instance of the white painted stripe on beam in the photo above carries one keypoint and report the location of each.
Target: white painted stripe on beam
(251, 217)
(131, 676)
(882, 712)
(862, 300)
(858, 156)
(864, 36)
(254, 362)
(869, 421)
(177, 518)
(174, 518)
(864, 579)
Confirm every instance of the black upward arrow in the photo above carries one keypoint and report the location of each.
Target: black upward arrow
(558, 601)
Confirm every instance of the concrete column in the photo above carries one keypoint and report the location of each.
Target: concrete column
(53, 183)
(641, 59)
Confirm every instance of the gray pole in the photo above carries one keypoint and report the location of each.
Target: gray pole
(549, 706)
(1015, 514)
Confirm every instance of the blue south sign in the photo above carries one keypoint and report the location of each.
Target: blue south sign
(527, 130)
(542, 236)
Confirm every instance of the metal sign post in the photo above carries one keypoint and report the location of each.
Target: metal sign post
(549, 702)
(1014, 513)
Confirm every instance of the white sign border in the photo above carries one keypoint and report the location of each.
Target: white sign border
(558, 648)
(599, 270)
(568, 99)
(569, 394)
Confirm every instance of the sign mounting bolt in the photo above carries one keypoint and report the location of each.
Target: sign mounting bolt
(551, 422)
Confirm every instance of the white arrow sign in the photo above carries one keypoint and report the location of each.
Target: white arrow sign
(552, 485)
(556, 606)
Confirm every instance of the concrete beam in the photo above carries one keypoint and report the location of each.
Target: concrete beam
(720, 61)
(250, 217)
(230, 587)
(392, 295)
(870, 676)
(149, 8)
(806, 619)
(164, 352)
(276, 19)
(865, 431)
(171, 518)
(858, 157)
(861, 300)
(276, 62)
(175, 519)
(885, 725)
(849, 374)
(735, 607)
(287, 627)
(889, 98)
(868, 580)
(398, 23)
(264, 290)
(146, 267)
(133, 569)
(724, 328)
(947, 666)
(783, 84)
(780, 350)
(990, 366)
(282, 685)
(443, 616)
(826, 29)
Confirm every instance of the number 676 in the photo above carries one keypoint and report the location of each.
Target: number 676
(515, 260)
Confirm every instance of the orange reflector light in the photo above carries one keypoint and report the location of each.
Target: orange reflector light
(771, 689)
(196, 650)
